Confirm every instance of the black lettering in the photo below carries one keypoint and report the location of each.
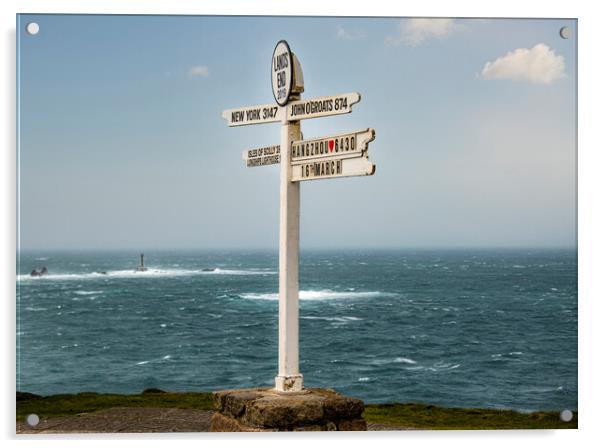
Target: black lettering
(253, 114)
(269, 112)
(280, 62)
(298, 109)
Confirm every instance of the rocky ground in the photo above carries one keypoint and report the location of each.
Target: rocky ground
(135, 420)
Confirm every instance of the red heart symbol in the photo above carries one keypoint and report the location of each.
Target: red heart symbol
(331, 145)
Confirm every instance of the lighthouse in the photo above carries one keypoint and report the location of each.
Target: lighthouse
(141, 268)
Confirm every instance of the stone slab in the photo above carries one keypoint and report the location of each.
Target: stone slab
(264, 409)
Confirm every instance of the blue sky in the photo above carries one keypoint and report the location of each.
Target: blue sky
(122, 144)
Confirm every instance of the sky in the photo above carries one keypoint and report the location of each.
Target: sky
(122, 144)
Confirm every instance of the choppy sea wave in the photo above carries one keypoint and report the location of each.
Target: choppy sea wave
(149, 273)
(324, 294)
(496, 329)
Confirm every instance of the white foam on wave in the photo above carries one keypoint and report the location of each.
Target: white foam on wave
(405, 360)
(415, 368)
(240, 272)
(163, 358)
(398, 360)
(442, 367)
(33, 308)
(150, 273)
(324, 294)
(332, 319)
(87, 293)
(27, 277)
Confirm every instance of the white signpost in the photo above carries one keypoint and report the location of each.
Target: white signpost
(353, 144)
(332, 167)
(319, 158)
(322, 106)
(342, 146)
(268, 155)
(266, 113)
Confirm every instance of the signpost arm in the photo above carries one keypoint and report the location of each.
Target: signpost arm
(289, 379)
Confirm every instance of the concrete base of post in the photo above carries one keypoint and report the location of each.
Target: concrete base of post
(291, 383)
(263, 409)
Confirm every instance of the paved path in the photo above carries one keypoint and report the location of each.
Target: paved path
(135, 420)
(124, 420)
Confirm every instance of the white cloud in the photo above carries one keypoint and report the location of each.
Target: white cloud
(413, 32)
(342, 33)
(198, 71)
(539, 65)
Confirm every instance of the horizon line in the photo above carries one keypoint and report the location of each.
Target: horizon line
(309, 248)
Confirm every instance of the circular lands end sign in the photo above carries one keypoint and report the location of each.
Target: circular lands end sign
(282, 72)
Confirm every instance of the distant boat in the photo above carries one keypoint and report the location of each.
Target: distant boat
(208, 269)
(141, 268)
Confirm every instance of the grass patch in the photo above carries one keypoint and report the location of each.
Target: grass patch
(410, 415)
(424, 416)
(59, 405)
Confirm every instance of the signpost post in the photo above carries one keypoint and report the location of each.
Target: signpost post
(300, 160)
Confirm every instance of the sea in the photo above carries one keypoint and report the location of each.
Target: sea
(462, 328)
